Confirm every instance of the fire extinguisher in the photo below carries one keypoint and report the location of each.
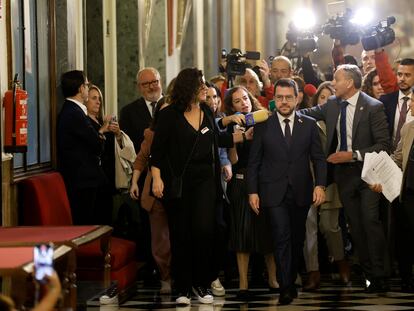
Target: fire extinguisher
(15, 117)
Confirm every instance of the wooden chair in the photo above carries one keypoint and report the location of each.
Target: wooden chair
(44, 202)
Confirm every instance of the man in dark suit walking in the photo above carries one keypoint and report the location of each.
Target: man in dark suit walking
(137, 116)
(403, 156)
(279, 180)
(79, 147)
(356, 124)
(397, 106)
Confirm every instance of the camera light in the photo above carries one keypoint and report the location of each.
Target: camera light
(363, 16)
(304, 19)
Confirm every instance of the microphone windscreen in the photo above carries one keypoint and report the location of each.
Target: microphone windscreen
(309, 90)
(256, 117)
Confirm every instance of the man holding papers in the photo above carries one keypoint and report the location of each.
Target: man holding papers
(356, 124)
(403, 156)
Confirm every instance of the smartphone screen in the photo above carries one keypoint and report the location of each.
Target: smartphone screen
(43, 262)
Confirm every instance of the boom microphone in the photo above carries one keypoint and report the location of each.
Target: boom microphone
(256, 117)
(309, 90)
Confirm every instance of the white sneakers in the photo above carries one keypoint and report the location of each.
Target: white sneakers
(217, 289)
(183, 300)
(203, 295)
(110, 297)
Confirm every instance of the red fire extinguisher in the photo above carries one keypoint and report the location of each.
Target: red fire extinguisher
(15, 117)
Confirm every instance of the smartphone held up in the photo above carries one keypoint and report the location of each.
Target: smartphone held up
(43, 262)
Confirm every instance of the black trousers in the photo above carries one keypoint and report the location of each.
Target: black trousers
(405, 235)
(193, 219)
(361, 205)
(288, 232)
(82, 203)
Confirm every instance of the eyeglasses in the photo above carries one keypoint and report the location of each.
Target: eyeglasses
(288, 98)
(149, 83)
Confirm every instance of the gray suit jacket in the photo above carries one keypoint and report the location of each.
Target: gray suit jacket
(369, 130)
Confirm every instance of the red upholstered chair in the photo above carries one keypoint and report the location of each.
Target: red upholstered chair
(45, 203)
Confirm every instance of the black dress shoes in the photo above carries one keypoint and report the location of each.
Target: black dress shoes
(407, 285)
(287, 295)
(378, 285)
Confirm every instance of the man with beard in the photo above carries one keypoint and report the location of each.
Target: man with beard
(398, 110)
(137, 116)
(279, 180)
(134, 119)
(397, 104)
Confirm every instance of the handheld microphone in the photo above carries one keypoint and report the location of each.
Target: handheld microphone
(309, 90)
(256, 117)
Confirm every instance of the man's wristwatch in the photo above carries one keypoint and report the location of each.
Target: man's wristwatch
(354, 156)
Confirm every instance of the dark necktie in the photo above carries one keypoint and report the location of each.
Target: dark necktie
(288, 133)
(401, 120)
(153, 104)
(342, 127)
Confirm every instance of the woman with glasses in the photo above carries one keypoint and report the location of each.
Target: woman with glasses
(186, 175)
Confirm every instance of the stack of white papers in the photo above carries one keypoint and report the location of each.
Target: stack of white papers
(379, 168)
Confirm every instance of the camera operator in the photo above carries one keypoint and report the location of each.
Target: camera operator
(309, 74)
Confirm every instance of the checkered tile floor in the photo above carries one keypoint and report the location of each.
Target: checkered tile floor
(329, 297)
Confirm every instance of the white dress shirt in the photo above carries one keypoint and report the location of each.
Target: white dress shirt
(82, 106)
(350, 112)
(283, 124)
(149, 105)
(398, 109)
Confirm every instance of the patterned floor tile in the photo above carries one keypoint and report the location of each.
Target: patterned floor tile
(331, 296)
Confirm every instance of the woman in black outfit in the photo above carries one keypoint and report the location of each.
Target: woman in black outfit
(94, 106)
(249, 233)
(186, 144)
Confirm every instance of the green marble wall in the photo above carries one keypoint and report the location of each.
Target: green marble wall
(94, 63)
(155, 55)
(127, 50)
